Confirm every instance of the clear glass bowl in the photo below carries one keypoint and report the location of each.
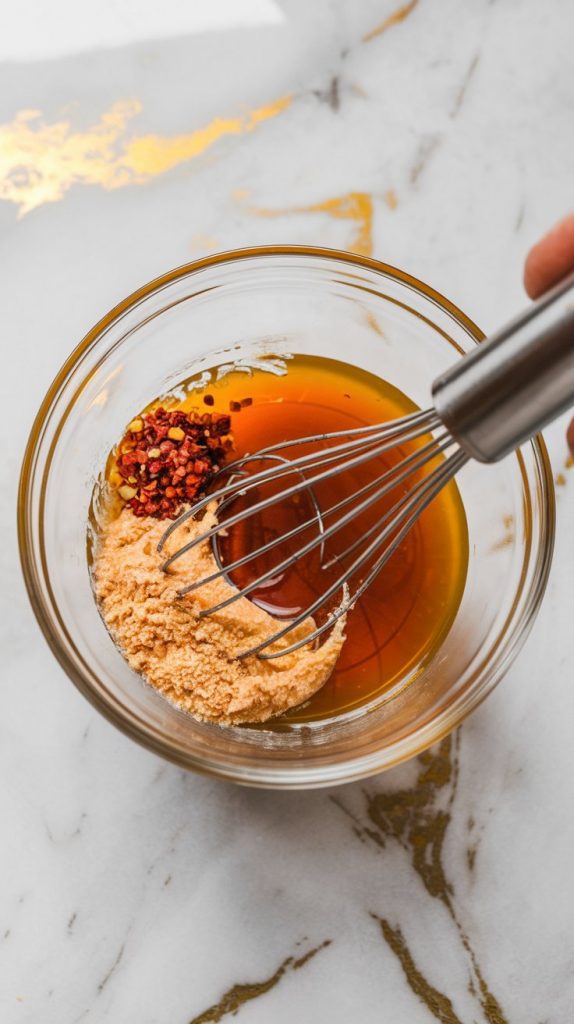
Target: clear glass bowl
(236, 306)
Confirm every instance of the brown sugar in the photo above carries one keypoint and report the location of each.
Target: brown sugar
(194, 662)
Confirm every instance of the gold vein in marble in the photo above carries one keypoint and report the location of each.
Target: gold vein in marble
(439, 1005)
(418, 819)
(235, 997)
(40, 160)
(463, 88)
(356, 207)
(472, 848)
(394, 18)
(411, 817)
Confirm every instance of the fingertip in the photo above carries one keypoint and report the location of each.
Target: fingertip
(551, 259)
(532, 278)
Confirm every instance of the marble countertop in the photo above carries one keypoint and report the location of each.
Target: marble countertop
(437, 136)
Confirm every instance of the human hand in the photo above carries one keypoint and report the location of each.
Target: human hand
(548, 262)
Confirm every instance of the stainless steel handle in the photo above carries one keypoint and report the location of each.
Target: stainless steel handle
(515, 382)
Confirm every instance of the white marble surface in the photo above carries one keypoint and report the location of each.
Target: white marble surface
(130, 891)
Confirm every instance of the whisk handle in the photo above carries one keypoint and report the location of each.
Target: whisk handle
(515, 382)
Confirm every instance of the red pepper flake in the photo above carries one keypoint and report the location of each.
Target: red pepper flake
(173, 455)
(209, 399)
(245, 402)
(235, 406)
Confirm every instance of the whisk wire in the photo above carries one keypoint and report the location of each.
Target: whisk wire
(358, 446)
(267, 476)
(385, 483)
(435, 484)
(415, 490)
(233, 489)
(428, 416)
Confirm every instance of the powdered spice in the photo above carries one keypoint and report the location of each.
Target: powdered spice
(193, 661)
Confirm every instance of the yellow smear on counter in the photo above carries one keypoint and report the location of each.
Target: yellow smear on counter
(392, 19)
(40, 160)
(356, 207)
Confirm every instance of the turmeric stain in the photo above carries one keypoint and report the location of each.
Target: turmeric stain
(507, 540)
(394, 18)
(356, 207)
(374, 324)
(391, 199)
(204, 243)
(40, 161)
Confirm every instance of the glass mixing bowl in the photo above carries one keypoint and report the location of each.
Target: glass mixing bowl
(235, 307)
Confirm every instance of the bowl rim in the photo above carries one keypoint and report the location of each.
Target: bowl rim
(431, 731)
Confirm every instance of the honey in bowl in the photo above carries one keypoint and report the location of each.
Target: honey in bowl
(402, 618)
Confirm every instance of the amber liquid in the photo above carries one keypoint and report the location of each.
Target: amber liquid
(405, 614)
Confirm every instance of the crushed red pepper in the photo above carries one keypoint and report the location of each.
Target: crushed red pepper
(167, 458)
(237, 406)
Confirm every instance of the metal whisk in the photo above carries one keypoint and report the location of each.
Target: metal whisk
(488, 404)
